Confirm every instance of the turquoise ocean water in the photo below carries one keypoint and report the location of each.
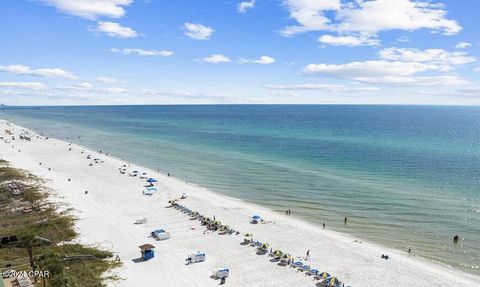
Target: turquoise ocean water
(406, 176)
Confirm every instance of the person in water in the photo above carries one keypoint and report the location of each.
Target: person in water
(455, 238)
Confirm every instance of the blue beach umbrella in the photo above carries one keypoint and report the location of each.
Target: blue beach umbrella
(151, 180)
(256, 217)
(314, 271)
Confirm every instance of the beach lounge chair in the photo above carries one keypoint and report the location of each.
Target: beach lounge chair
(141, 221)
(147, 192)
(305, 267)
(298, 264)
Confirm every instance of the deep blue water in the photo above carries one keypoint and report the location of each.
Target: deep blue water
(406, 176)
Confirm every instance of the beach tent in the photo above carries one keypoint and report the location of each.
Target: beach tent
(161, 234)
(147, 251)
(221, 272)
(151, 180)
(197, 257)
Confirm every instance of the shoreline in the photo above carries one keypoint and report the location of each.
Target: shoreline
(290, 234)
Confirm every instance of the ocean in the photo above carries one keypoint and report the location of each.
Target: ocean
(405, 176)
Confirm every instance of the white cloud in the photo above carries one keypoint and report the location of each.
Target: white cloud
(477, 69)
(24, 85)
(142, 52)
(327, 87)
(198, 31)
(416, 81)
(463, 45)
(433, 56)
(216, 58)
(350, 40)
(88, 87)
(246, 5)
(470, 92)
(42, 72)
(91, 9)
(380, 15)
(375, 68)
(112, 90)
(116, 30)
(403, 39)
(264, 60)
(310, 15)
(367, 18)
(84, 85)
(106, 80)
(385, 72)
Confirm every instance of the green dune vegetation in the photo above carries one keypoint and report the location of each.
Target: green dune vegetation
(37, 235)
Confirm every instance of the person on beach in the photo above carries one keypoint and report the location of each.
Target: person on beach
(323, 225)
(308, 255)
(345, 221)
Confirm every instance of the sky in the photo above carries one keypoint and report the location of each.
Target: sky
(115, 52)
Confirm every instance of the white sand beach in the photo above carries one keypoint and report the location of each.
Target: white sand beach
(115, 201)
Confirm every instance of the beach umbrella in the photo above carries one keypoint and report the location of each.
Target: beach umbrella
(332, 281)
(277, 253)
(248, 235)
(286, 256)
(151, 180)
(256, 217)
(135, 171)
(324, 275)
(314, 271)
(306, 267)
(264, 246)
